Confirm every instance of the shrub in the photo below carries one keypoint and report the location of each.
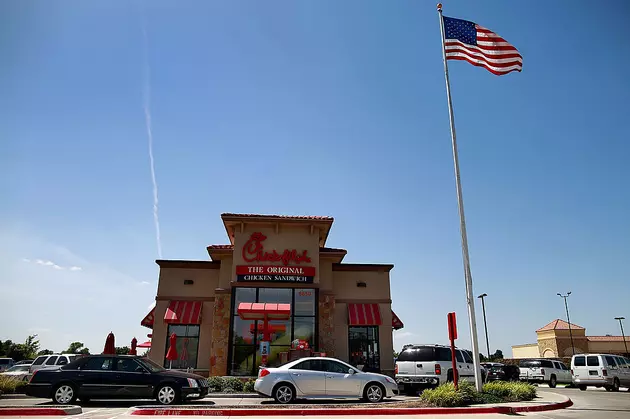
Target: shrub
(235, 385)
(216, 384)
(443, 396)
(469, 393)
(9, 385)
(510, 391)
(486, 398)
(248, 387)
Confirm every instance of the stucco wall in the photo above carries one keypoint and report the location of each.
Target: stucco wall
(171, 283)
(345, 285)
(608, 347)
(525, 351)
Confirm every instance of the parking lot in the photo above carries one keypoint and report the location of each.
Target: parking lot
(593, 403)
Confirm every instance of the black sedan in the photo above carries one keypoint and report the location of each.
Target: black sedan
(501, 372)
(116, 377)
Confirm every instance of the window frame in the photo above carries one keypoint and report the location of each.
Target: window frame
(166, 362)
(54, 360)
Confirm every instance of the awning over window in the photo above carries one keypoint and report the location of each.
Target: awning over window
(148, 319)
(364, 315)
(396, 323)
(258, 311)
(183, 312)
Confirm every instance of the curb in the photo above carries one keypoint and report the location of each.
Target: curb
(40, 411)
(235, 396)
(174, 411)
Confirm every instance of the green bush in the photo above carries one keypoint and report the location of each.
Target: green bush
(216, 384)
(487, 398)
(469, 393)
(510, 391)
(9, 385)
(443, 396)
(235, 385)
(248, 387)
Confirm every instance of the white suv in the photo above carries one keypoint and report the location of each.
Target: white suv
(51, 361)
(600, 370)
(540, 370)
(427, 366)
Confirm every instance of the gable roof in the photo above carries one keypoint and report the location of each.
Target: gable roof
(559, 324)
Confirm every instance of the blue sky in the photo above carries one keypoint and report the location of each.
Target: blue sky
(323, 108)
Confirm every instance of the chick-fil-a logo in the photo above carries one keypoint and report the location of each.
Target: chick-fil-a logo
(253, 251)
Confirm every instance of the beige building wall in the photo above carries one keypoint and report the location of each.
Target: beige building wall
(615, 347)
(525, 351)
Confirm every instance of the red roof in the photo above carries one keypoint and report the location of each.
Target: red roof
(284, 217)
(607, 338)
(231, 247)
(332, 250)
(221, 246)
(559, 324)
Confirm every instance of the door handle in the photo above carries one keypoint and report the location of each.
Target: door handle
(418, 365)
(80, 375)
(296, 374)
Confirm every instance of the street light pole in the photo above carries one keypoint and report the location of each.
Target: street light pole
(623, 336)
(566, 307)
(485, 324)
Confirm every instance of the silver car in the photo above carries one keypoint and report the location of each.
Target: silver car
(323, 378)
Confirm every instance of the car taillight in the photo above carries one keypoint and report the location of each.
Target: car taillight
(605, 373)
(263, 373)
(32, 376)
(572, 373)
(542, 371)
(396, 369)
(438, 369)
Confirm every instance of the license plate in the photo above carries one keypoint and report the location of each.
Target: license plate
(593, 373)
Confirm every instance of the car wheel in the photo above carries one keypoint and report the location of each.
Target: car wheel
(615, 386)
(374, 393)
(582, 388)
(64, 394)
(553, 381)
(284, 393)
(167, 394)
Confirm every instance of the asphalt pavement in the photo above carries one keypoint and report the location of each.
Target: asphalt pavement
(593, 403)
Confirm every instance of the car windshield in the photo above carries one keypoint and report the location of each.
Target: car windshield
(150, 365)
(18, 368)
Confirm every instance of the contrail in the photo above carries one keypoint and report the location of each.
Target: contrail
(146, 93)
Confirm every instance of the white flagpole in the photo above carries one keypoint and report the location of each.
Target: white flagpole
(462, 220)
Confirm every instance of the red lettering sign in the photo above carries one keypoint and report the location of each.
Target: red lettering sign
(275, 270)
(253, 251)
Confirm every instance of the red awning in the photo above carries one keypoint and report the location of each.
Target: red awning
(364, 315)
(183, 312)
(396, 323)
(148, 319)
(258, 311)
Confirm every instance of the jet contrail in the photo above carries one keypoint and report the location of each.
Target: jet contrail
(146, 93)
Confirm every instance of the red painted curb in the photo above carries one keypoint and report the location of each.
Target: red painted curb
(320, 412)
(25, 411)
(543, 408)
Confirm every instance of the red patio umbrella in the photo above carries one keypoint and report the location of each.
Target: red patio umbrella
(146, 344)
(110, 347)
(184, 356)
(134, 344)
(171, 355)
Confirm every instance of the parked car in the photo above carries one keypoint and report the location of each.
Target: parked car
(321, 378)
(24, 362)
(19, 372)
(6, 363)
(502, 372)
(541, 370)
(427, 366)
(113, 377)
(52, 361)
(600, 370)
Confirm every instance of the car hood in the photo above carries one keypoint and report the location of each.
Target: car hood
(181, 374)
(375, 375)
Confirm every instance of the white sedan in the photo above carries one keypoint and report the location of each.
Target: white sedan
(323, 378)
(18, 372)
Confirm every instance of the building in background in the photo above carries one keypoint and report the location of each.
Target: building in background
(279, 267)
(554, 341)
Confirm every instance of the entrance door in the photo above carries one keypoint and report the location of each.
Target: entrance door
(364, 348)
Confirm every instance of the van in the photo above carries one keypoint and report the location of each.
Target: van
(600, 370)
(51, 361)
(6, 363)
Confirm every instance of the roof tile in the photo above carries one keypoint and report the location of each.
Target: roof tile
(607, 338)
(559, 324)
(290, 217)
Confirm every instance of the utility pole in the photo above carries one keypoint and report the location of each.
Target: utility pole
(485, 324)
(566, 307)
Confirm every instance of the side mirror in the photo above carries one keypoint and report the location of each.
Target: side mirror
(351, 371)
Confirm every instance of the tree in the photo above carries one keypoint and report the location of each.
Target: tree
(45, 352)
(396, 354)
(77, 348)
(122, 350)
(31, 347)
(482, 357)
(498, 355)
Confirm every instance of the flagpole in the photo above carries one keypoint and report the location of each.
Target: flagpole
(462, 220)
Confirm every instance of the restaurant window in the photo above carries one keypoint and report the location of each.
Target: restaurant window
(187, 345)
(364, 348)
(246, 335)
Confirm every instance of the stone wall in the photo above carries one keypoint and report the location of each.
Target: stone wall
(327, 323)
(220, 333)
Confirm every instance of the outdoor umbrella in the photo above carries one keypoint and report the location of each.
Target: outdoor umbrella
(110, 347)
(146, 344)
(184, 356)
(171, 355)
(134, 343)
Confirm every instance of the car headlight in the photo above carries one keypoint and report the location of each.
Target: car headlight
(390, 380)
(192, 382)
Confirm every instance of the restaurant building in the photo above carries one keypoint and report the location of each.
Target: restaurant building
(276, 281)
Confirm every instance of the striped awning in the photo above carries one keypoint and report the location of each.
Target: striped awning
(396, 323)
(260, 311)
(364, 315)
(183, 312)
(148, 319)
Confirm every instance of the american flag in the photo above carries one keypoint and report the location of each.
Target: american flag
(480, 46)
